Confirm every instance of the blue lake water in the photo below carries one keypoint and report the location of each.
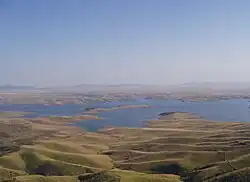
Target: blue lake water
(221, 110)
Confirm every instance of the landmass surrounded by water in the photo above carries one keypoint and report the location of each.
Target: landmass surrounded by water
(97, 110)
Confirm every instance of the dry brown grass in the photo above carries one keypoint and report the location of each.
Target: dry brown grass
(179, 143)
(184, 141)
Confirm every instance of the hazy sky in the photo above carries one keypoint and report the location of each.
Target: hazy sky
(68, 42)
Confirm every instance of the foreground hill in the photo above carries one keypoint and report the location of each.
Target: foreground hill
(176, 147)
(185, 145)
(35, 150)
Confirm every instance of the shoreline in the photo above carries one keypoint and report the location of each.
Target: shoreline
(98, 110)
(62, 120)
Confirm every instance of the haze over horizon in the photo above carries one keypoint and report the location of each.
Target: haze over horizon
(60, 43)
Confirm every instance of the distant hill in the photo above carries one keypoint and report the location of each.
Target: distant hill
(225, 85)
(17, 88)
(195, 86)
(104, 88)
(201, 87)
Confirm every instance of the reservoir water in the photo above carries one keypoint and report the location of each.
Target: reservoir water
(220, 110)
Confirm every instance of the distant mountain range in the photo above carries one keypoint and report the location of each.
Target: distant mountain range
(194, 86)
(225, 85)
(14, 87)
(20, 88)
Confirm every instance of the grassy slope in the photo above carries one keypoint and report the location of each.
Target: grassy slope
(10, 114)
(6, 173)
(122, 176)
(130, 176)
(67, 156)
(179, 143)
(92, 160)
(38, 178)
(183, 144)
(127, 176)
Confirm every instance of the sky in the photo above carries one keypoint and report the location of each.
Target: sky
(72, 42)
